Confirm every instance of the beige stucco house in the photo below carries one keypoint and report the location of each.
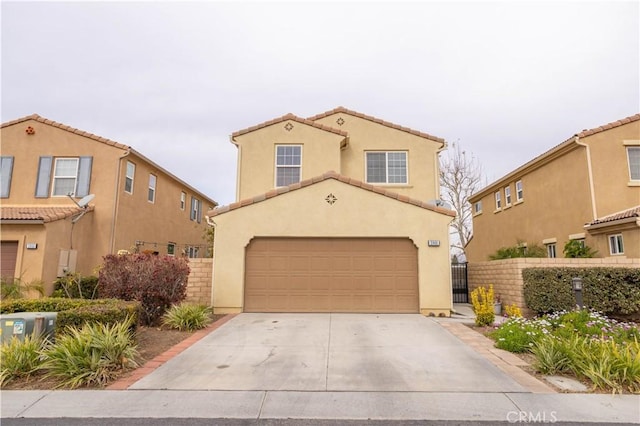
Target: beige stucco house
(587, 188)
(137, 204)
(335, 213)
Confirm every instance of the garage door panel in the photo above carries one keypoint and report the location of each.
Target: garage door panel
(331, 275)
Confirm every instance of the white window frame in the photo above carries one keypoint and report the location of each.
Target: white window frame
(552, 250)
(519, 191)
(477, 207)
(287, 166)
(498, 198)
(55, 176)
(195, 213)
(386, 163)
(128, 178)
(183, 200)
(635, 149)
(193, 252)
(616, 244)
(153, 182)
(507, 196)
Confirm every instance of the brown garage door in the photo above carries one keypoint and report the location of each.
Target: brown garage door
(331, 275)
(8, 256)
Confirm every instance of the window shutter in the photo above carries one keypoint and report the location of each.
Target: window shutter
(84, 176)
(199, 211)
(192, 214)
(44, 177)
(6, 168)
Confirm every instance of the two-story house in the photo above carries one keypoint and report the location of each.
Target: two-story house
(335, 213)
(120, 200)
(587, 188)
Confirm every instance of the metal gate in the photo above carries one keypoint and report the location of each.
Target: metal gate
(459, 283)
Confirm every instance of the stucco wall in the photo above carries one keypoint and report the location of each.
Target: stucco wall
(356, 213)
(506, 275)
(199, 285)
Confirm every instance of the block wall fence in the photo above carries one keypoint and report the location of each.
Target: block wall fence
(506, 275)
(200, 281)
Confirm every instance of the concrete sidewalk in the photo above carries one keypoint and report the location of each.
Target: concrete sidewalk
(491, 407)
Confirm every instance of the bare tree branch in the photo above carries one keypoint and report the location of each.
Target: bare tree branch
(460, 177)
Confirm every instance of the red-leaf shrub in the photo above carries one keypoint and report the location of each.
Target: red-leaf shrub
(157, 282)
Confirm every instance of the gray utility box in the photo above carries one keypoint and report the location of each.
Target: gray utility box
(21, 324)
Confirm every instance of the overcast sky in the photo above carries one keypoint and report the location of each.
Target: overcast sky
(507, 80)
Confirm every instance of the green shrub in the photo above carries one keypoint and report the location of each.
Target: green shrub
(76, 312)
(578, 249)
(19, 358)
(75, 286)
(157, 282)
(91, 355)
(519, 250)
(187, 317)
(607, 290)
(16, 288)
(516, 335)
(553, 354)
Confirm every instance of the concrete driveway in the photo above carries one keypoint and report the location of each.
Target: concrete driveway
(330, 352)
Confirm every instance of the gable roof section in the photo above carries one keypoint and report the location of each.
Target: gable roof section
(38, 214)
(629, 215)
(551, 154)
(329, 175)
(344, 110)
(106, 141)
(288, 117)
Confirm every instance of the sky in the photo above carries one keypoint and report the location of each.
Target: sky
(505, 80)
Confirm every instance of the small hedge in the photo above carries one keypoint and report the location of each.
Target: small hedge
(76, 287)
(76, 312)
(607, 290)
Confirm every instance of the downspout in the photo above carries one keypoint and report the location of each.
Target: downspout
(116, 204)
(590, 170)
(437, 168)
(237, 167)
(212, 224)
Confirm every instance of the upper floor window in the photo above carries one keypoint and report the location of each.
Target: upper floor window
(183, 200)
(551, 250)
(615, 244)
(519, 192)
(288, 164)
(633, 155)
(71, 175)
(498, 201)
(387, 167)
(152, 188)
(6, 169)
(128, 180)
(196, 210)
(507, 196)
(477, 207)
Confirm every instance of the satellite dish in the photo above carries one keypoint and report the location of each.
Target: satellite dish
(86, 200)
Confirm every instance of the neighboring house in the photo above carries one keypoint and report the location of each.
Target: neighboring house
(587, 189)
(138, 205)
(335, 213)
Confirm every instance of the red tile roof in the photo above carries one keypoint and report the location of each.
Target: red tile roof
(329, 175)
(44, 214)
(344, 110)
(43, 120)
(608, 126)
(288, 117)
(40, 119)
(626, 214)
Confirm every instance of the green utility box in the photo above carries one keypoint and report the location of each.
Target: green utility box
(21, 324)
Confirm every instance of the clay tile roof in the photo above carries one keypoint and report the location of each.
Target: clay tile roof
(608, 126)
(39, 213)
(36, 117)
(288, 117)
(626, 214)
(376, 120)
(328, 175)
